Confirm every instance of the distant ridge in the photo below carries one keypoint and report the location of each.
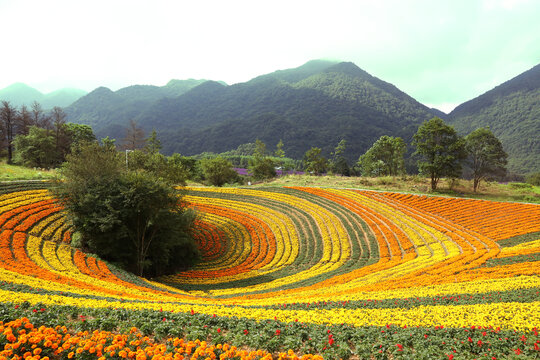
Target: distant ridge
(512, 111)
(316, 104)
(21, 94)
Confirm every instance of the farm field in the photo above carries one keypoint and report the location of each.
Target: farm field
(287, 272)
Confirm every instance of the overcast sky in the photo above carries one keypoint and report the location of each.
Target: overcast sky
(441, 52)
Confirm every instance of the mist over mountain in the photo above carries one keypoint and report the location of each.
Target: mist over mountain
(19, 94)
(512, 111)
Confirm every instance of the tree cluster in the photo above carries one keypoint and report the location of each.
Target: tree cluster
(35, 138)
(131, 218)
(441, 153)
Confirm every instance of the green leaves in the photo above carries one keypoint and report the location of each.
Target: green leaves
(218, 171)
(487, 157)
(131, 219)
(441, 149)
(384, 158)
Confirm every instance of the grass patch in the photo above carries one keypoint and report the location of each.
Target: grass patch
(13, 172)
(415, 184)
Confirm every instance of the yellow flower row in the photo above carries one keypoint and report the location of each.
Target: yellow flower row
(519, 316)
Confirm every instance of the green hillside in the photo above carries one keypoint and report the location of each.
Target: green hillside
(512, 111)
(316, 104)
(108, 112)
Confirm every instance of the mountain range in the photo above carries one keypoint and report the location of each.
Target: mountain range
(316, 104)
(19, 94)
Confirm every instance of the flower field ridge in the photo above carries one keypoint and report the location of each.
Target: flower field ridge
(328, 273)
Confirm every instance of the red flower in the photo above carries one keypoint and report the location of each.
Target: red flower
(450, 356)
(278, 332)
(219, 330)
(246, 332)
(400, 347)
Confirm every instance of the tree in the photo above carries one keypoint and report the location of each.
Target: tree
(486, 156)
(261, 166)
(8, 119)
(153, 145)
(169, 170)
(129, 218)
(339, 165)
(384, 158)
(441, 149)
(37, 149)
(77, 134)
(314, 162)
(39, 118)
(218, 171)
(533, 179)
(24, 121)
(60, 137)
(134, 138)
(280, 154)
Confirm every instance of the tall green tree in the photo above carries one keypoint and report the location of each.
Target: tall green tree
(165, 168)
(153, 144)
(441, 149)
(339, 164)
(314, 162)
(129, 218)
(261, 166)
(218, 171)
(280, 155)
(78, 134)
(37, 149)
(384, 158)
(486, 155)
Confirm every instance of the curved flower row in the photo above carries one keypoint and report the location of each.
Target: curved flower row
(293, 245)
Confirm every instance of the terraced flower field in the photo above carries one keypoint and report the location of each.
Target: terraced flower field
(286, 273)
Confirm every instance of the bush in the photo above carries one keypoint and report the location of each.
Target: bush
(533, 179)
(517, 185)
(218, 171)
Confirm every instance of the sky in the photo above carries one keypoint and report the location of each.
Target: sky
(441, 52)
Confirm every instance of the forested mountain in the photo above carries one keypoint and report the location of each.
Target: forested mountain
(512, 111)
(108, 112)
(316, 104)
(21, 94)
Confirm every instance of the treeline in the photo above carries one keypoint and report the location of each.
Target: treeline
(439, 152)
(35, 138)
